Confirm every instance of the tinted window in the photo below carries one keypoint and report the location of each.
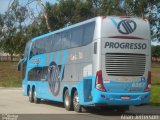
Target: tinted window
(48, 44)
(77, 37)
(57, 42)
(88, 33)
(66, 37)
(40, 46)
(33, 50)
(27, 49)
(74, 37)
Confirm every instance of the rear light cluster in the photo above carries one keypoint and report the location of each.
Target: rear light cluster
(148, 86)
(99, 81)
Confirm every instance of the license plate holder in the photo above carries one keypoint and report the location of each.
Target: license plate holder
(125, 97)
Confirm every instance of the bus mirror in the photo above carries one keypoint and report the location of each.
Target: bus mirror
(19, 64)
(19, 67)
(22, 56)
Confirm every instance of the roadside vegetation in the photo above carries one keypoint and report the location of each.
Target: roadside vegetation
(9, 76)
(155, 88)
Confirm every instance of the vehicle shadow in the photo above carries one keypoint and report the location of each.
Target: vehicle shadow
(52, 103)
(134, 111)
(109, 111)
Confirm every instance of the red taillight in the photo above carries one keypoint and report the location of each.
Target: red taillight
(99, 81)
(148, 86)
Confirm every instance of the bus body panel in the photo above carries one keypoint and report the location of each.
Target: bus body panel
(78, 66)
(125, 60)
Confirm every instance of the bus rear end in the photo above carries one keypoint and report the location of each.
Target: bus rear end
(125, 74)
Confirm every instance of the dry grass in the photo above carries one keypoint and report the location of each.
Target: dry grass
(9, 76)
(155, 90)
(155, 73)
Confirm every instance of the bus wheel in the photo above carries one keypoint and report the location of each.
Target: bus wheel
(67, 101)
(35, 99)
(30, 96)
(76, 105)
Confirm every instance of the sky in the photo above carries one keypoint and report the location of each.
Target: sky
(33, 7)
(5, 3)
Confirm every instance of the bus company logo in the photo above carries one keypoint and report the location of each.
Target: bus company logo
(54, 78)
(126, 26)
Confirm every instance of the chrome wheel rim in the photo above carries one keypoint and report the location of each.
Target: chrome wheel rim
(76, 101)
(67, 100)
(34, 95)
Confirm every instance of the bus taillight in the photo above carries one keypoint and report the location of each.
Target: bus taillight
(99, 81)
(148, 86)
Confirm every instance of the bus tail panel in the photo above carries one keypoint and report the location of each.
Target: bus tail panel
(109, 98)
(125, 62)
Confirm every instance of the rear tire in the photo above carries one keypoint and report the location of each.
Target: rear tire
(35, 99)
(67, 101)
(76, 105)
(30, 96)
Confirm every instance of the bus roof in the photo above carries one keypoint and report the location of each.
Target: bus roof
(81, 23)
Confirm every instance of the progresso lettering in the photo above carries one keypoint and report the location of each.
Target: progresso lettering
(125, 45)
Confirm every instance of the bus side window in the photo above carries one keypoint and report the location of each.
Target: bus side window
(32, 52)
(66, 37)
(77, 37)
(57, 42)
(26, 50)
(88, 33)
(52, 43)
(48, 44)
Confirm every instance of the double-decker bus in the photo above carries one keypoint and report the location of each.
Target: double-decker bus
(104, 61)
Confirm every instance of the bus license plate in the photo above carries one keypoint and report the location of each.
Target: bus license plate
(125, 97)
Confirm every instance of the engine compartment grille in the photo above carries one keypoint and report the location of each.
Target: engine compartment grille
(125, 64)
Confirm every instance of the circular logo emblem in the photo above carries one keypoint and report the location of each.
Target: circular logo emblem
(126, 26)
(54, 78)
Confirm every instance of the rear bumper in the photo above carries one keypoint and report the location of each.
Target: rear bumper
(104, 98)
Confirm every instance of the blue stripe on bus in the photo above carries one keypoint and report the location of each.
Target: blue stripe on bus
(63, 63)
(114, 22)
(57, 57)
(51, 57)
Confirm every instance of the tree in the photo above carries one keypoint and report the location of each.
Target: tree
(155, 52)
(83, 11)
(1, 25)
(152, 12)
(13, 26)
(1, 29)
(149, 9)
